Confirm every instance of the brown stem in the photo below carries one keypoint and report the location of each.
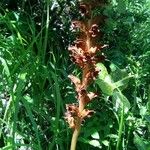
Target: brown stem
(81, 104)
(75, 137)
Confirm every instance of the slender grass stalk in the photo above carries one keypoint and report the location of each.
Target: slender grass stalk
(30, 114)
(128, 137)
(46, 31)
(121, 125)
(58, 100)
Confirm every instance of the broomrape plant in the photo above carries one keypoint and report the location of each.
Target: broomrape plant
(84, 54)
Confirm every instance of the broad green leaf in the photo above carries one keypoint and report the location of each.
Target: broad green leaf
(122, 83)
(106, 87)
(120, 101)
(119, 76)
(103, 71)
(104, 80)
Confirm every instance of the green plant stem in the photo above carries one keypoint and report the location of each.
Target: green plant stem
(128, 137)
(46, 32)
(75, 137)
(121, 124)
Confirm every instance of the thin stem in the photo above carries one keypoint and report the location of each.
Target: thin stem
(46, 31)
(121, 124)
(75, 137)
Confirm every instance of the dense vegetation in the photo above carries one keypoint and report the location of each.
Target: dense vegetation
(34, 69)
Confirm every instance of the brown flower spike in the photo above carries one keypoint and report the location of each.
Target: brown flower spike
(84, 53)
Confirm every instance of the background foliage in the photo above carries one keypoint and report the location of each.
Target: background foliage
(34, 87)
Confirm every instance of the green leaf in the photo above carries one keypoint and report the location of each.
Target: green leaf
(104, 80)
(6, 69)
(103, 71)
(120, 101)
(105, 142)
(95, 143)
(106, 87)
(28, 99)
(143, 111)
(119, 76)
(122, 83)
(34, 124)
(113, 136)
(95, 135)
(140, 144)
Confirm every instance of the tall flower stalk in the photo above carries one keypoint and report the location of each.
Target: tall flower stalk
(84, 54)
